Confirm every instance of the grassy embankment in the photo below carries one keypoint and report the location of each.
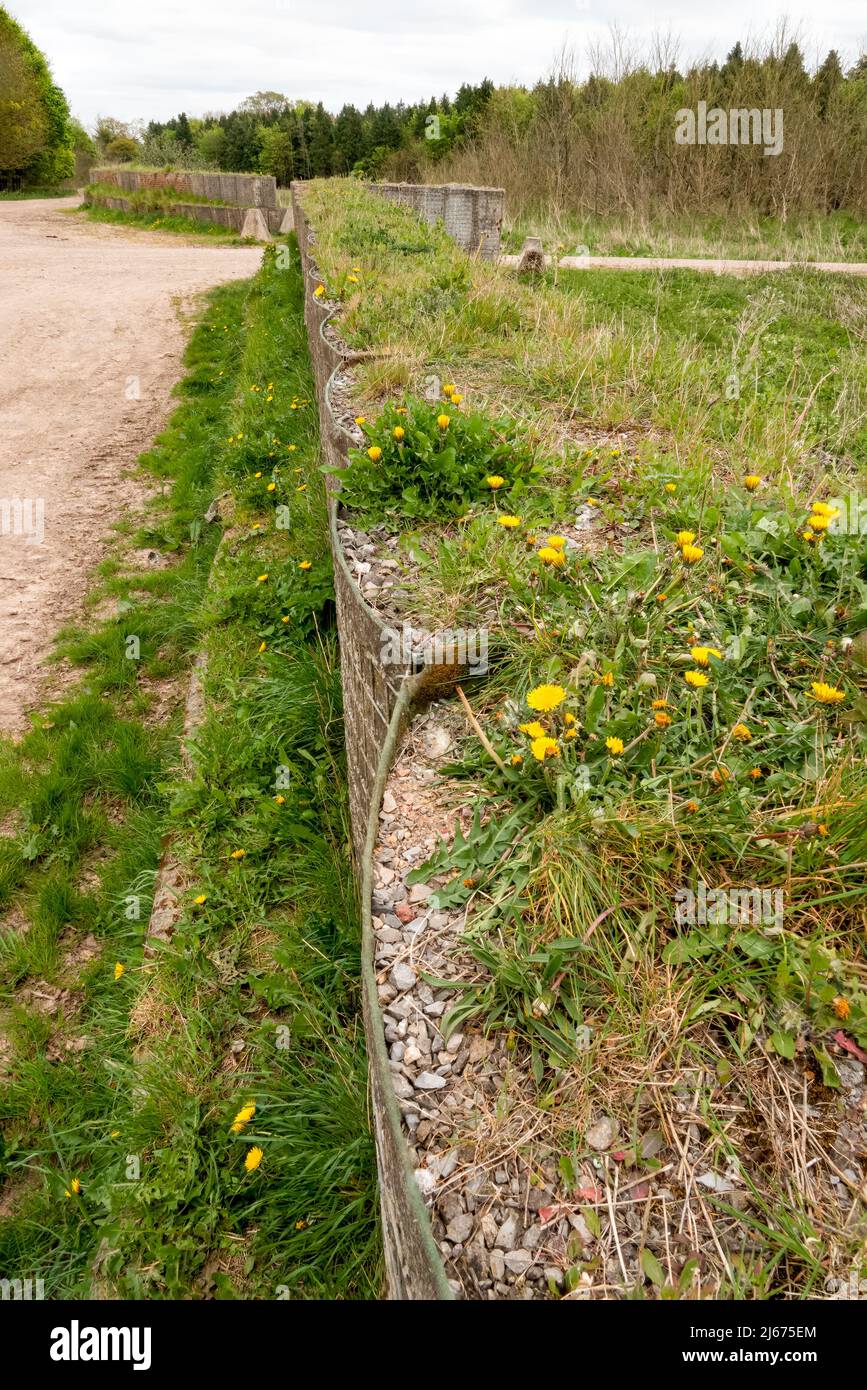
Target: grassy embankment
(123, 1071)
(677, 696)
(152, 211)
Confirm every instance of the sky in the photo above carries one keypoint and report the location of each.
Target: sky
(156, 58)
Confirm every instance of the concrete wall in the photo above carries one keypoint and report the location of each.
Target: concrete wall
(215, 214)
(473, 217)
(242, 190)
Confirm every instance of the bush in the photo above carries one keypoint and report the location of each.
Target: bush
(425, 460)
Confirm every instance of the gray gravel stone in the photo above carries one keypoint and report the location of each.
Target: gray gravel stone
(402, 977)
(429, 1081)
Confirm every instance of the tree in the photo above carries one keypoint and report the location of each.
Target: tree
(277, 155)
(51, 159)
(123, 149)
(23, 125)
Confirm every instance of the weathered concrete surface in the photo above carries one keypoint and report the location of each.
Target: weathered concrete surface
(715, 267)
(473, 217)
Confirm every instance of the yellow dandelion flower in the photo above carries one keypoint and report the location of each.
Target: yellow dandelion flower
(237, 854)
(510, 522)
(253, 1159)
(684, 538)
(818, 522)
(556, 542)
(697, 679)
(701, 655)
(842, 1007)
(243, 1117)
(607, 678)
(272, 487)
(719, 775)
(741, 733)
(570, 734)
(398, 432)
(202, 898)
(692, 554)
(361, 419)
(810, 536)
(263, 578)
(456, 397)
(118, 970)
(319, 291)
(823, 509)
(516, 760)
(546, 697)
(692, 807)
(374, 453)
(827, 694)
(533, 729)
(661, 719)
(752, 481)
(659, 704)
(305, 564)
(543, 748)
(449, 388)
(444, 421)
(263, 647)
(755, 773)
(671, 487)
(549, 556)
(494, 481)
(73, 1189)
(592, 502)
(569, 718)
(615, 746)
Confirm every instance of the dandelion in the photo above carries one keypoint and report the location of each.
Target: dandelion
(352, 279)
(752, 481)
(534, 729)
(661, 719)
(592, 502)
(73, 1189)
(659, 704)
(692, 807)
(684, 538)
(543, 748)
(660, 598)
(263, 578)
(494, 481)
(237, 854)
(263, 647)
(319, 291)
(741, 733)
(546, 697)
(361, 419)
(304, 565)
(692, 554)
(118, 970)
(818, 522)
(449, 388)
(272, 487)
(516, 759)
(253, 1159)
(300, 1225)
(755, 773)
(285, 618)
(280, 800)
(671, 487)
(615, 746)
(243, 1118)
(510, 522)
(374, 453)
(444, 421)
(842, 1007)
(701, 655)
(398, 432)
(697, 679)
(549, 556)
(568, 718)
(570, 734)
(607, 679)
(202, 898)
(556, 542)
(827, 694)
(810, 536)
(720, 775)
(456, 398)
(823, 509)
(257, 475)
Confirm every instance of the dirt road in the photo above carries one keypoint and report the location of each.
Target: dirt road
(91, 336)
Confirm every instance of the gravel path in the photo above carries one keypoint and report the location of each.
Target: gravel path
(91, 335)
(715, 267)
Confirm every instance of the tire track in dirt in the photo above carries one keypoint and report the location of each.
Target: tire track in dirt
(92, 330)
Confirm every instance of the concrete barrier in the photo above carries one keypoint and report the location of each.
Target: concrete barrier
(473, 217)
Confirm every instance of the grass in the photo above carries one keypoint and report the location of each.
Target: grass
(598, 824)
(21, 194)
(121, 1085)
(837, 237)
(151, 199)
(168, 222)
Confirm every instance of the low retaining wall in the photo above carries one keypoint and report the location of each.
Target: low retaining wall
(473, 217)
(244, 190)
(378, 703)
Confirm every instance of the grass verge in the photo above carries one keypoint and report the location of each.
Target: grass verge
(137, 1081)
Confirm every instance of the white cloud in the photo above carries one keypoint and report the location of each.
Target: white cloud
(156, 59)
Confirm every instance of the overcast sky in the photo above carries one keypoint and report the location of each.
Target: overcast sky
(155, 58)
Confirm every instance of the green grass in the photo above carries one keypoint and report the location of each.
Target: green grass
(617, 384)
(256, 995)
(167, 222)
(22, 194)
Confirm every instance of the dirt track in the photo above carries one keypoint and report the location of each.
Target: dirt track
(91, 315)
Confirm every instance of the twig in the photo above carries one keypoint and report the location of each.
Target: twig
(485, 741)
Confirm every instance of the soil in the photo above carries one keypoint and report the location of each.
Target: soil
(94, 324)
